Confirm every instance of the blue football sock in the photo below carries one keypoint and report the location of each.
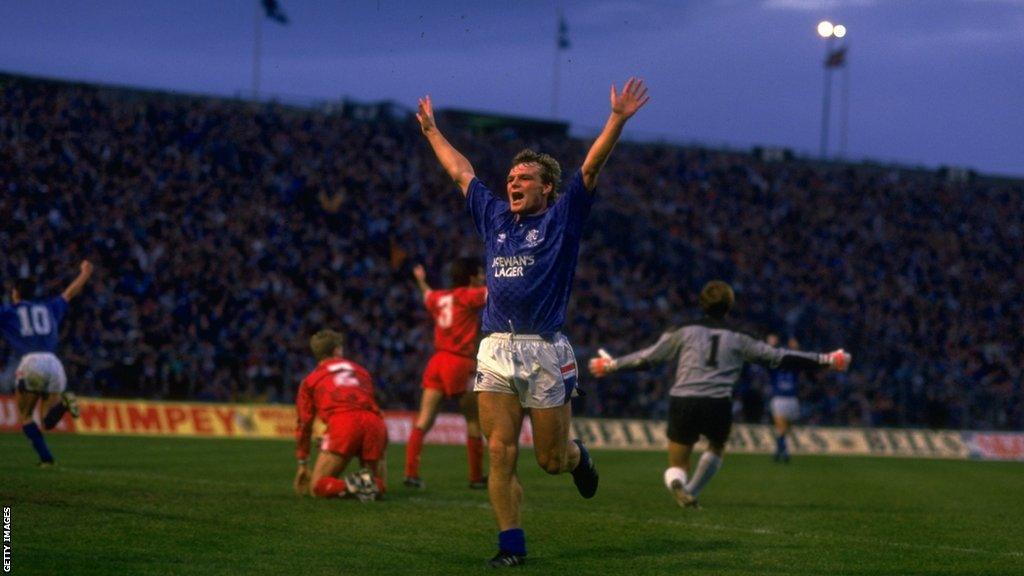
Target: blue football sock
(584, 464)
(38, 442)
(53, 417)
(512, 541)
(780, 445)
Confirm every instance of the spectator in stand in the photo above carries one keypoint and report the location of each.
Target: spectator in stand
(219, 222)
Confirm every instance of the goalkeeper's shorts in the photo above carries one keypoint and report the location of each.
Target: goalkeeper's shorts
(690, 417)
(42, 373)
(540, 371)
(359, 433)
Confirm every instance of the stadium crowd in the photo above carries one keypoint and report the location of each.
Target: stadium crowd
(226, 232)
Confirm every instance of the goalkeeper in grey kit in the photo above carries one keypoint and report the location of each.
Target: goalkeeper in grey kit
(711, 353)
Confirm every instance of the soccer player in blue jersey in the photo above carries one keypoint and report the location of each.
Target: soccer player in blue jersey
(532, 235)
(785, 406)
(31, 327)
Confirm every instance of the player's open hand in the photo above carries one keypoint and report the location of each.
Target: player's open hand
(301, 483)
(633, 97)
(598, 367)
(425, 115)
(839, 360)
(86, 267)
(419, 273)
(603, 365)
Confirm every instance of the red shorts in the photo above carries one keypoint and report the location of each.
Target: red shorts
(358, 433)
(449, 373)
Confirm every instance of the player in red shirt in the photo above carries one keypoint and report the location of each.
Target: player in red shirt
(341, 393)
(456, 314)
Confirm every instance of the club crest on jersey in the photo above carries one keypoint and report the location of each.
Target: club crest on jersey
(532, 238)
(501, 238)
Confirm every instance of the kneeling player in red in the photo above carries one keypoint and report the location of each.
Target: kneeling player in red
(341, 392)
(456, 314)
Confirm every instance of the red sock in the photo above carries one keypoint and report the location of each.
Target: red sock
(330, 487)
(475, 451)
(412, 453)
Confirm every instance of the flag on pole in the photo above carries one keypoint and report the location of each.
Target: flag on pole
(836, 58)
(274, 12)
(563, 33)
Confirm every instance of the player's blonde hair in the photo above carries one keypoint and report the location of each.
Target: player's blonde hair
(550, 170)
(325, 342)
(716, 299)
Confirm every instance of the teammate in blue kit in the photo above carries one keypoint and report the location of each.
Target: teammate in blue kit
(532, 236)
(31, 327)
(785, 405)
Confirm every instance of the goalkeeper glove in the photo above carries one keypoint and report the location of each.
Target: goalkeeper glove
(603, 365)
(838, 360)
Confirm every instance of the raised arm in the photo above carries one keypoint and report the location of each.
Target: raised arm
(420, 274)
(665, 349)
(453, 162)
(785, 359)
(75, 288)
(633, 97)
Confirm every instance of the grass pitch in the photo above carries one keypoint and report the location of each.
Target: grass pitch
(118, 505)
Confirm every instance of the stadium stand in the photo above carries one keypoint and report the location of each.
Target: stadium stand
(225, 232)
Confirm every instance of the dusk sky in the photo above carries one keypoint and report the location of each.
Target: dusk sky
(930, 81)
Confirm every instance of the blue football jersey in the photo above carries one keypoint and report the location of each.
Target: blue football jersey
(531, 260)
(784, 383)
(33, 325)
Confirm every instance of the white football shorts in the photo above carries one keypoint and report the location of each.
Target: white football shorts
(41, 372)
(786, 407)
(541, 372)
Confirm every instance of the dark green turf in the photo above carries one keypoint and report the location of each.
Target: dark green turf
(119, 505)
